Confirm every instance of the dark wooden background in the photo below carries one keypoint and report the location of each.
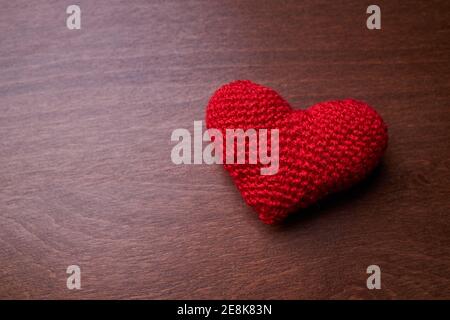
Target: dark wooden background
(86, 176)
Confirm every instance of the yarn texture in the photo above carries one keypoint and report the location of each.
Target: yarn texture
(323, 149)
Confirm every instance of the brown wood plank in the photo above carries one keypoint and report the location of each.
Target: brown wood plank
(85, 171)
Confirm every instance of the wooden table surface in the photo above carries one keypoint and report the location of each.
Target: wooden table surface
(86, 176)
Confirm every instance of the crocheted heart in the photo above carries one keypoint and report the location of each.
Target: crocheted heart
(323, 149)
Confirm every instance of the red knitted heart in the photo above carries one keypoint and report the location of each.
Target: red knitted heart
(325, 148)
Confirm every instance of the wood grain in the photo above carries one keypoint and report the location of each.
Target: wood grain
(85, 170)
